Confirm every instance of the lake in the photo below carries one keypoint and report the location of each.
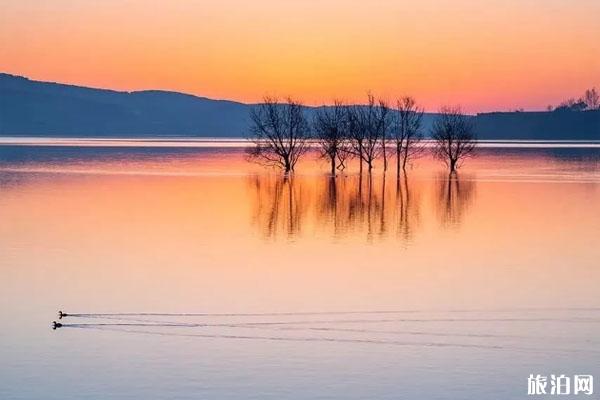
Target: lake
(196, 274)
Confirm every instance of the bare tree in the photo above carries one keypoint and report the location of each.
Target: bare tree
(572, 105)
(454, 137)
(356, 134)
(407, 131)
(280, 133)
(368, 126)
(384, 122)
(330, 127)
(591, 99)
(344, 154)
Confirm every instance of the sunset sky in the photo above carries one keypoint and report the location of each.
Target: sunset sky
(485, 55)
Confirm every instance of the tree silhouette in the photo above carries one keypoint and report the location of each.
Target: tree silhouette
(407, 132)
(591, 99)
(453, 136)
(280, 133)
(330, 127)
(368, 127)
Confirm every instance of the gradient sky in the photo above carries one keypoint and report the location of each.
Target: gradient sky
(485, 55)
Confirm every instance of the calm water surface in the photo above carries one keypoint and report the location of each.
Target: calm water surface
(302, 288)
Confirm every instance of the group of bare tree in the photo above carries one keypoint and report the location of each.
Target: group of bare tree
(282, 133)
(590, 100)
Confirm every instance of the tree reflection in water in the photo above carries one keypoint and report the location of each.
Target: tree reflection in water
(353, 203)
(454, 197)
(407, 205)
(280, 205)
(374, 206)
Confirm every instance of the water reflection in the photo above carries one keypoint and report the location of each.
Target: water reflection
(454, 197)
(407, 204)
(376, 206)
(280, 205)
(354, 203)
(180, 240)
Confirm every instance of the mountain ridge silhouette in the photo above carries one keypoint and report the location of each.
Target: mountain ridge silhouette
(38, 108)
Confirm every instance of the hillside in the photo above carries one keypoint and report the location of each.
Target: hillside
(36, 108)
(557, 125)
(39, 108)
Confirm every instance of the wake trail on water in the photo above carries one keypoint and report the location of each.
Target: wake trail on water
(146, 322)
(296, 328)
(274, 314)
(143, 323)
(328, 339)
(140, 322)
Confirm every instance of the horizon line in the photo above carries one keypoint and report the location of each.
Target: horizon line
(282, 97)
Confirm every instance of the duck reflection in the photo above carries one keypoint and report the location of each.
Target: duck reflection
(374, 207)
(454, 197)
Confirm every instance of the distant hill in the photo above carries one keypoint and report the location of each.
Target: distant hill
(36, 108)
(554, 125)
(40, 108)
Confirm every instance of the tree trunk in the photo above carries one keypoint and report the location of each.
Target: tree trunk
(287, 166)
(405, 156)
(360, 164)
(452, 165)
(397, 161)
(333, 165)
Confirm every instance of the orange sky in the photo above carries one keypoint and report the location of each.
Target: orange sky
(485, 55)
